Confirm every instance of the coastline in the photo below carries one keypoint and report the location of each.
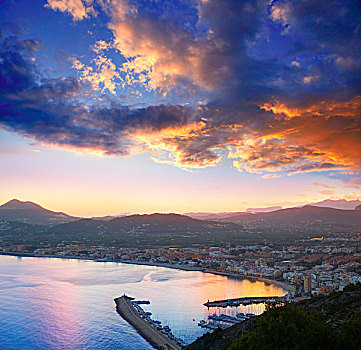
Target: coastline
(289, 288)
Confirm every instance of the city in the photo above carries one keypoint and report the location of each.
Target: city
(315, 266)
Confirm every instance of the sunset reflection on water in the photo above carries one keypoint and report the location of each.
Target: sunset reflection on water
(60, 303)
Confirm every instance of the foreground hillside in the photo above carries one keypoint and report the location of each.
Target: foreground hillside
(323, 322)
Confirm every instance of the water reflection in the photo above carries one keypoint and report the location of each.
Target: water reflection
(59, 303)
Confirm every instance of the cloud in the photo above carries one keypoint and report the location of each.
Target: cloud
(194, 145)
(319, 184)
(104, 77)
(327, 192)
(279, 84)
(161, 54)
(271, 176)
(352, 183)
(53, 111)
(78, 9)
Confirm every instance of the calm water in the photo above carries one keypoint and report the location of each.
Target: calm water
(68, 304)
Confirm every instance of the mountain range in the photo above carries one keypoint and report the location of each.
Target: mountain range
(342, 204)
(305, 215)
(32, 213)
(21, 221)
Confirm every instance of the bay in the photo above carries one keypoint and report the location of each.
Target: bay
(53, 303)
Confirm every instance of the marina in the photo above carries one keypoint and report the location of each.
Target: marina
(244, 301)
(151, 330)
(223, 321)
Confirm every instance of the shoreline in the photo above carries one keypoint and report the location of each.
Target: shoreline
(287, 287)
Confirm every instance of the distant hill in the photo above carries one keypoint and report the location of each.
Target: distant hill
(162, 222)
(343, 204)
(108, 217)
(16, 204)
(213, 216)
(153, 229)
(263, 210)
(227, 215)
(149, 224)
(32, 213)
(307, 216)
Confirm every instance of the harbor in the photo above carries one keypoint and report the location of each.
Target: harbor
(158, 336)
(244, 301)
(223, 321)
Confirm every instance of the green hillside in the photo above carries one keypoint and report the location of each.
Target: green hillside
(323, 322)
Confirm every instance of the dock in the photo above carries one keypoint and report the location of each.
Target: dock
(146, 329)
(243, 301)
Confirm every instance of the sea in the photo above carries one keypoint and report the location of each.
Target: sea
(55, 303)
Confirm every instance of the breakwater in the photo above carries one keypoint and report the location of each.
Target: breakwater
(243, 301)
(147, 329)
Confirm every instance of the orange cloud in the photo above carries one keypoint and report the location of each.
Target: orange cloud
(319, 184)
(279, 108)
(189, 146)
(77, 8)
(105, 75)
(173, 145)
(271, 176)
(317, 137)
(327, 192)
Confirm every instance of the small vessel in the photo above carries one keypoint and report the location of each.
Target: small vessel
(142, 302)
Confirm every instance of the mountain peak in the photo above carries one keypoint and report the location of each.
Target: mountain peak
(17, 204)
(32, 213)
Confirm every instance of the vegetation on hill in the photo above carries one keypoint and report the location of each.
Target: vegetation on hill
(324, 322)
(290, 327)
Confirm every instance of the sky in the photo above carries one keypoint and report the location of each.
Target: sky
(130, 106)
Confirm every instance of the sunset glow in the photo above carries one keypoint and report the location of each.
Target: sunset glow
(123, 106)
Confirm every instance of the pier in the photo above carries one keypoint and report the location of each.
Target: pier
(243, 301)
(146, 328)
